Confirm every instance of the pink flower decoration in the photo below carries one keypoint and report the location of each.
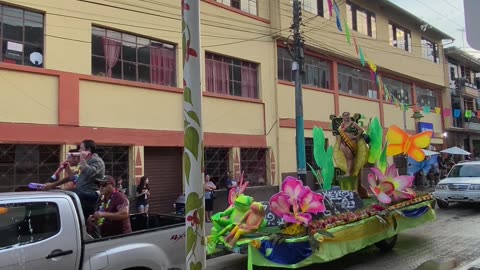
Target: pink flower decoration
(391, 184)
(295, 203)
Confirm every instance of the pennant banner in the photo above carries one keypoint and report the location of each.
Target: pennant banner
(468, 114)
(447, 112)
(337, 14)
(330, 7)
(437, 110)
(426, 109)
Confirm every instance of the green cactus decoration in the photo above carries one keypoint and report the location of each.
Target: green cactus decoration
(375, 132)
(324, 159)
(382, 163)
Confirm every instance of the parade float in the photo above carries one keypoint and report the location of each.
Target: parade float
(299, 226)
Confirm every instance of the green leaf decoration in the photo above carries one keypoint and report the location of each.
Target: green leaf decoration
(316, 175)
(376, 140)
(193, 202)
(194, 116)
(329, 169)
(191, 239)
(196, 266)
(187, 95)
(324, 159)
(186, 167)
(382, 163)
(192, 140)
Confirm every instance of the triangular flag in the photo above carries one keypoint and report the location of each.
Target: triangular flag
(330, 7)
(457, 113)
(337, 14)
(347, 33)
(468, 114)
(355, 44)
(438, 110)
(372, 66)
(426, 109)
(447, 112)
(372, 76)
(362, 56)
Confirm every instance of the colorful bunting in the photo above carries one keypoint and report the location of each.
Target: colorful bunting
(337, 14)
(457, 113)
(362, 56)
(447, 112)
(347, 33)
(438, 110)
(330, 7)
(372, 76)
(372, 66)
(426, 109)
(355, 44)
(468, 114)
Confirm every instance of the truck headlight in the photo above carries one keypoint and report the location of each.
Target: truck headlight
(474, 187)
(441, 187)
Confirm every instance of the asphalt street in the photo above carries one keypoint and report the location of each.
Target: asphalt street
(454, 235)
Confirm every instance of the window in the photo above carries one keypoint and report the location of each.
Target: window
(21, 164)
(356, 82)
(430, 50)
(309, 147)
(400, 37)
(361, 20)
(26, 223)
(317, 7)
(216, 165)
(249, 6)
(452, 74)
(128, 57)
(116, 160)
(427, 97)
(401, 90)
(231, 76)
(21, 36)
(284, 65)
(253, 162)
(317, 72)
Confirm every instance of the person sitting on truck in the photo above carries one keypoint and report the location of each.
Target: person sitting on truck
(112, 216)
(92, 169)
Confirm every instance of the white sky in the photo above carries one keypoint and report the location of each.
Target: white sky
(446, 15)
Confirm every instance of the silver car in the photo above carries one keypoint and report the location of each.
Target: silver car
(461, 185)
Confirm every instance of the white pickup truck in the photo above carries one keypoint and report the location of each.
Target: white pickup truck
(46, 230)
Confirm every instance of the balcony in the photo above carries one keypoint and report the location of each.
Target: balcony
(472, 123)
(465, 88)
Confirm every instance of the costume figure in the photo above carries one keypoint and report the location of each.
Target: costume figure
(251, 222)
(349, 133)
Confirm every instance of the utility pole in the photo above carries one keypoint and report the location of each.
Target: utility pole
(298, 58)
(193, 138)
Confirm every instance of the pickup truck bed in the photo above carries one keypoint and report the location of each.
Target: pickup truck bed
(45, 230)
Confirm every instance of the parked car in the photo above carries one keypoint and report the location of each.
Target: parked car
(46, 230)
(461, 185)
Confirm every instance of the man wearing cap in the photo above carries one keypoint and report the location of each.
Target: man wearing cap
(112, 216)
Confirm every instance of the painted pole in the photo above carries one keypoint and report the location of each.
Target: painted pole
(193, 141)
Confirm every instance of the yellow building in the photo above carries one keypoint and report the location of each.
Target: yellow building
(110, 70)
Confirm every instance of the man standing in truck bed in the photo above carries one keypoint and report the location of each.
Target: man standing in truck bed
(92, 170)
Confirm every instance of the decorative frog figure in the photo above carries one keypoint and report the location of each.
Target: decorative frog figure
(233, 215)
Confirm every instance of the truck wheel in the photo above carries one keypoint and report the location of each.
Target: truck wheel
(387, 244)
(442, 204)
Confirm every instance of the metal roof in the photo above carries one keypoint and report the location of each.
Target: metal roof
(463, 58)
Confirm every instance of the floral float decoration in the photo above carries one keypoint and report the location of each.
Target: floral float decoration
(388, 185)
(234, 193)
(296, 203)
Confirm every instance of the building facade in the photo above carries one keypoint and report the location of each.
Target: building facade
(463, 73)
(111, 71)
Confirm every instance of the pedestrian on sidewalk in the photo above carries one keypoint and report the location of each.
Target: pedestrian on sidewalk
(209, 198)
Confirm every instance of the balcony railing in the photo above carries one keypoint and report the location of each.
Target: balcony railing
(465, 88)
(472, 123)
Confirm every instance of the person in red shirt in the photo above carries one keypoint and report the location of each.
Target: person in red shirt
(112, 216)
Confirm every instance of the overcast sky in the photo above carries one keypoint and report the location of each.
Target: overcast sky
(446, 15)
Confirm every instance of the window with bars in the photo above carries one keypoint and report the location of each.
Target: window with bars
(401, 90)
(309, 148)
(124, 56)
(116, 160)
(317, 7)
(216, 165)
(400, 37)
(430, 50)
(427, 97)
(21, 36)
(253, 162)
(356, 82)
(361, 20)
(230, 76)
(249, 6)
(21, 164)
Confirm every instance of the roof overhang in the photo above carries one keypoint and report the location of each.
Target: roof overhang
(463, 58)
